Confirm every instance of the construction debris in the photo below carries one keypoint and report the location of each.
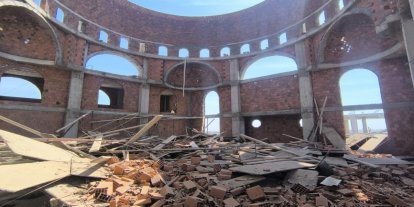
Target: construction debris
(205, 170)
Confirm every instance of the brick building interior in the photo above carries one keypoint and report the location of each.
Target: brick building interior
(49, 43)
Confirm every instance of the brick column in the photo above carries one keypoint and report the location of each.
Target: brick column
(237, 120)
(305, 89)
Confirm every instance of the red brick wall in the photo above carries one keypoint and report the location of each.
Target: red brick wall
(280, 93)
(56, 84)
(46, 122)
(200, 32)
(396, 86)
(91, 87)
(273, 127)
(354, 38)
(19, 25)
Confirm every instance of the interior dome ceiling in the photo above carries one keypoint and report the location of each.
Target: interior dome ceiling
(196, 7)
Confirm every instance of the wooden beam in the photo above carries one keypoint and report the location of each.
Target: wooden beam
(144, 129)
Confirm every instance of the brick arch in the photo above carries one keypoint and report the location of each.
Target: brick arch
(35, 17)
(246, 66)
(202, 76)
(121, 55)
(352, 37)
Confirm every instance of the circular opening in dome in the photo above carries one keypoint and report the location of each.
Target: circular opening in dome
(196, 8)
(256, 123)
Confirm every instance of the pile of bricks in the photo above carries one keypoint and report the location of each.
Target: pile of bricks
(197, 181)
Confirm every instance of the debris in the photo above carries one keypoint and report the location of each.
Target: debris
(34, 149)
(331, 181)
(307, 179)
(332, 135)
(255, 193)
(268, 168)
(144, 129)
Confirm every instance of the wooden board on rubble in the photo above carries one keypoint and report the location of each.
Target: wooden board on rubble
(268, 168)
(34, 149)
(333, 137)
(22, 176)
(240, 181)
(386, 161)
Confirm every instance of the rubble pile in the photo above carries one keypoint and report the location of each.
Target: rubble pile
(204, 170)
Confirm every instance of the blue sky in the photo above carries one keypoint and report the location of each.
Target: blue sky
(196, 7)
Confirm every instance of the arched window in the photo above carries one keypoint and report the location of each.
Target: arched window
(321, 18)
(282, 38)
(225, 52)
(361, 87)
(269, 66)
(103, 99)
(163, 51)
(124, 43)
(212, 111)
(111, 96)
(244, 49)
(183, 53)
(341, 4)
(60, 15)
(204, 53)
(38, 2)
(103, 36)
(17, 88)
(111, 63)
(264, 44)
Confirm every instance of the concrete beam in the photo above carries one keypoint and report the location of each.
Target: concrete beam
(305, 90)
(408, 33)
(144, 94)
(74, 102)
(412, 7)
(237, 120)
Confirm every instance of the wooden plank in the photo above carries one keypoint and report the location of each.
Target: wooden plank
(96, 146)
(386, 161)
(34, 149)
(356, 159)
(269, 145)
(144, 129)
(268, 168)
(165, 142)
(373, 143)
(333, 136)
(240, 181)
(22, 176)
(73, 122)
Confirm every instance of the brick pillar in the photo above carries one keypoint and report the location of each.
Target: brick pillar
(237, 120)
(305, 89)
(408, 32)
(144, 94)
